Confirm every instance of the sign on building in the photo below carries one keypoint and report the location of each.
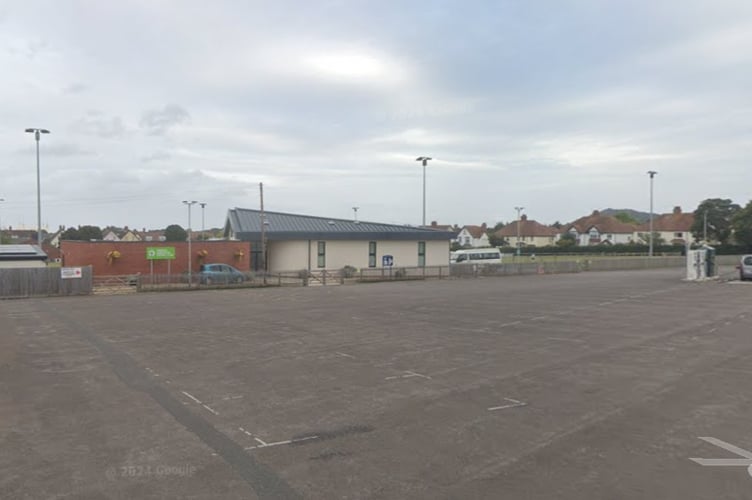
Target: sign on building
(387, 261)
(68, 273)
(160, 253)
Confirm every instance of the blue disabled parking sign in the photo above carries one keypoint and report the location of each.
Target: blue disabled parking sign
(387, 261)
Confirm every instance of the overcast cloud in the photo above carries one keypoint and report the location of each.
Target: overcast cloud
(557, 106)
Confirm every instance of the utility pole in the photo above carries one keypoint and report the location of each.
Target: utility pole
(37, 132)
(263, 232)
(651, 173)
(519, 210)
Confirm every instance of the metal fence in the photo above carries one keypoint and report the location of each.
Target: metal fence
(167, 282)
(42, 282)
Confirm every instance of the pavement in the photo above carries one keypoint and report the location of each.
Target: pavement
(573, 386)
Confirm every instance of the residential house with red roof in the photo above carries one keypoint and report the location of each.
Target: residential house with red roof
(598, 229)
(473, 236)
(532, 233)
(674, 228)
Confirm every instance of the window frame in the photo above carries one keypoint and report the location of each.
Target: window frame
(321, 254)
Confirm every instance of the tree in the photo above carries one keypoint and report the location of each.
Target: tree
(496, 227)
(567, 240)
(175, 232)
(719, 212)
(70, 234)
(742, 226)
(82, 233)
(625, 218)
(497, 241)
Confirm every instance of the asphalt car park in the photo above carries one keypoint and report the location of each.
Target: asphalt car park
(592, 385)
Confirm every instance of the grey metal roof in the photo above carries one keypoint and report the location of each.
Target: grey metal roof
(245, 224)
(21, 252)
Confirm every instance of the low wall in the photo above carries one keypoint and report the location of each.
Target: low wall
(42, 282)
(132, 256)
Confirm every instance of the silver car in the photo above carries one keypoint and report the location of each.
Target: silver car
(745, 268)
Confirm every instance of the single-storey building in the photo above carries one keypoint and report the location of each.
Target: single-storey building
(22, 256)
(303, 242)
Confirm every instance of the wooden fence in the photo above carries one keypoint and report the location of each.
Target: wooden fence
(42, 282)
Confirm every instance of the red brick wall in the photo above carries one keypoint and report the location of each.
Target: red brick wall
(132, 258)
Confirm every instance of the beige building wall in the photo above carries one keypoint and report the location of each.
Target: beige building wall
(15, 264)
(294, 255)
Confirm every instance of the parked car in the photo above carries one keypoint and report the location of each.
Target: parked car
(745, 268)
(220, 274)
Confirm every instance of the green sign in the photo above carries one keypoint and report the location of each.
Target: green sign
(160, 253)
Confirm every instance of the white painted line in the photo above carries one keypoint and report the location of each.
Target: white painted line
(510, 324)
(231, 398)
(408, 374)
(279, 443)
(210, 409)
(514, 404)
(192, 397)
(260, 441)
(605, 303)
(343, 354)
(712, 330)
(538, 318)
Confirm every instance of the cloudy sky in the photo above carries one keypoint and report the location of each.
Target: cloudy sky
(558, 106)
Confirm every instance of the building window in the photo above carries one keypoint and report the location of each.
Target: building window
(321, 254)
(421, 254)
(371, 254)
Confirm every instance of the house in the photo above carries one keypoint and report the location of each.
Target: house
(22, 256)
(22, 236)
(303, 242)
(532, 233)
(110, 234)
(597, 229)
(473, 236)
(152, 235)
(673, 229)
(128, 235)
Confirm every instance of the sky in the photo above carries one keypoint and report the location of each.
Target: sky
(560, 107)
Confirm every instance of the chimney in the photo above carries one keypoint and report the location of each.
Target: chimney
(524, 217)
(677, 210)
(483, 226)
(434, 223)
(596, 212)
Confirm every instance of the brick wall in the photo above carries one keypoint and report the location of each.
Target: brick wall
(132, 258)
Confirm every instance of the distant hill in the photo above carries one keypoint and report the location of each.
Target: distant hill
(635, 214)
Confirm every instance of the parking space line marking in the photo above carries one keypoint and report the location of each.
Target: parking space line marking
(510, 324)
(210, 409)
(279, 443)
(230, 398)
(514, 404)
(408, 374)
(712, 330)
(538, 318)
(343, 354)
(192, 397)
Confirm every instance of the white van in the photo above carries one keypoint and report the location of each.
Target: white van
(476, 256)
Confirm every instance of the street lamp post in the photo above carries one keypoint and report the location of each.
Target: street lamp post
(189, 204)
(425, 160)
(203, 234)
(37, 132)
(651, 173)
(519, 210)
(1, 225)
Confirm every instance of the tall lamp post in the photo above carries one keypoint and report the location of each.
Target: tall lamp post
(189, 204)
(37, 132)
(519, 210)
(203, 235)
(1, 225)
(425, 160)
(651, 173)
